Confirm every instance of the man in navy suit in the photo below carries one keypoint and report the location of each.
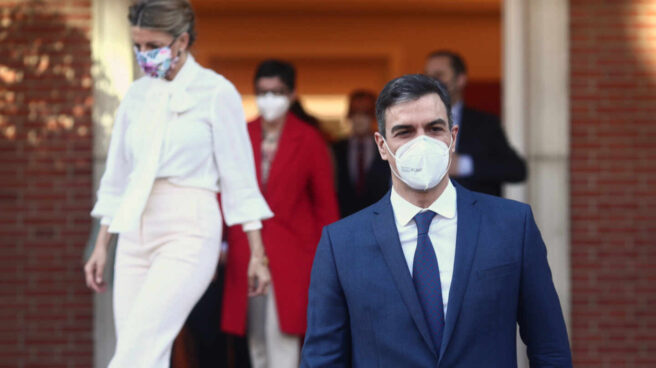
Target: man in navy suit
(432, 275)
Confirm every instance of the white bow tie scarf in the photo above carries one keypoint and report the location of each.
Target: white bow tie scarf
(154, 119)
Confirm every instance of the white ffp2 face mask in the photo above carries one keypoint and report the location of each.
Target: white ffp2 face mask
(272, 106)
(422, 162)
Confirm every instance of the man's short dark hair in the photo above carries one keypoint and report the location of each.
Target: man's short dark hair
(277, 68)
(457, 62)
(410, 87)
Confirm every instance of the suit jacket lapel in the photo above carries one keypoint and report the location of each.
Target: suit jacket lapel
(466, 241)
(388, 239)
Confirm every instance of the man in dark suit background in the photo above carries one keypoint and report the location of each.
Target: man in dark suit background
(362, 177)
(484, 160)
(432, 275)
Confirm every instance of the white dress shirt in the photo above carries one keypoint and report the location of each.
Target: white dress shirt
(442, 232)
(190, 131)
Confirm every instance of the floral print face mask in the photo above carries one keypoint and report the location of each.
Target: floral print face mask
(157, 62)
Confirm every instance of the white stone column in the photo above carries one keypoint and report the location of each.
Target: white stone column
(536, 112)
(112, 72)
(515, 69)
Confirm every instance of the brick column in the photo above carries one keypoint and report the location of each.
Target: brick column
(46, 173)
(613, 181)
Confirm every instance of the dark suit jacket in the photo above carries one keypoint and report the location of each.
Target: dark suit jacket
(495, 162)
(364, 312)
(377, 180)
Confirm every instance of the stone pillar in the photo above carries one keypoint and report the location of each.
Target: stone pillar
(112, 73)
(536, 112)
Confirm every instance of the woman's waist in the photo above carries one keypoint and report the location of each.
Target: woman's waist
(184, 186)
(170, 201)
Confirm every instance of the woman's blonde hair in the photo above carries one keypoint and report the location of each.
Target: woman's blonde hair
(171, 16)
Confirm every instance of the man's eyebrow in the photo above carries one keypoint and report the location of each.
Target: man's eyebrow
(438, 121)
(400, 127)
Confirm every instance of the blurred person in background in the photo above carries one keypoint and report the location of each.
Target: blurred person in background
(295, 176)
(362, 176)
(179, 138)
(484, 160)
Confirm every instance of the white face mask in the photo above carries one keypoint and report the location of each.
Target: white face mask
(272, 106)
(422, 162)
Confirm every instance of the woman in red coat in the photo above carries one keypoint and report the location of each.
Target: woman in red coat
(295, 175)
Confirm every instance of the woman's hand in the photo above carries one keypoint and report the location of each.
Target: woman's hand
(259, 277)
(95, 266)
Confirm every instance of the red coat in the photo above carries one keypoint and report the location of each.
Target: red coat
(301, 193)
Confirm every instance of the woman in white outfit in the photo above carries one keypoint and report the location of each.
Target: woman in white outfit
(179, 137)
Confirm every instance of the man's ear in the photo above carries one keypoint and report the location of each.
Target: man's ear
(292, 96)
(454, 137)
(461, 81)
(380, 144)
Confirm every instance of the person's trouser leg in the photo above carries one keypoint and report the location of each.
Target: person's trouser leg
(256, 334)
(180, 235)
(283, 350)
(130, 271)
(172, 288)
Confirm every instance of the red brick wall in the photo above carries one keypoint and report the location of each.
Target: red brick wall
(613, 182)
(45, 182)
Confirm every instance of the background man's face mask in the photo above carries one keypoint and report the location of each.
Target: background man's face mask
(421, 162)
(272, 106)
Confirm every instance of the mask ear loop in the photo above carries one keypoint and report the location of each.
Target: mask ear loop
(393, 155)
(448, 166)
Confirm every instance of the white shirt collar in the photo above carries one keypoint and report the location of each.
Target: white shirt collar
(184, 77)
(177, 88)
(404, 211)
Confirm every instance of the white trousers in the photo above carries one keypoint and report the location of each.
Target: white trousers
(161, 271)
(269, 346)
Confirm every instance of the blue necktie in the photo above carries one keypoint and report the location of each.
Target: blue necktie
(426, 277)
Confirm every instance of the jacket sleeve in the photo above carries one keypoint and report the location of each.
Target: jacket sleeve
(502, 164)
(117, 170)
(540, 318)
(322, 183)
(241, 198)
(327, 338)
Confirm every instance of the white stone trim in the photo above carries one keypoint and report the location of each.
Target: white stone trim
(536, 111)
(112, 71)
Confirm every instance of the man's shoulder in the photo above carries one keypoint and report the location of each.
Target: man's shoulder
(493, 205)
(358, 222)
(474, 115)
